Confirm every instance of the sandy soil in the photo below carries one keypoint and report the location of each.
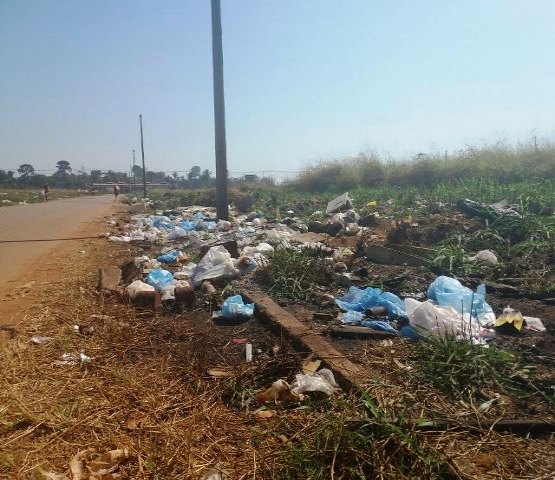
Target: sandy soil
(27, 265)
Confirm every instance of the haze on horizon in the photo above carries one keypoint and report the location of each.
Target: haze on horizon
(304, 80)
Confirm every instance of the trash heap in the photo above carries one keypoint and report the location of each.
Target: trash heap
(232, 249)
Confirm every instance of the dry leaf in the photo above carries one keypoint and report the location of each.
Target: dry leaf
(265, 413)
(134, 419)
(220, 372)
(108, 462)
(310, 366)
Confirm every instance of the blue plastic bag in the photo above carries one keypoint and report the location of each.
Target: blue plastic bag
(235, 307)
(360, 300)
(350, 317)
(160, 221)
(378, 325)
(449, 292)
(187, 225)
(169, 257)
(160, 279)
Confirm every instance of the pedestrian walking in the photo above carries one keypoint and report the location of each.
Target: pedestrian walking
(116, 192)
(46, 191)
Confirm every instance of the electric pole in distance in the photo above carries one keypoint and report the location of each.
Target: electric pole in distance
(143, 153)
(219, 113)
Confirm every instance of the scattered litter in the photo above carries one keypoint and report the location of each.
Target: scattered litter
(510, 321)
(534, 324)
(321, 381)
(280, 391)
(234, 307)
(40, 340)
(72, 359)
(360, 300)
(449, 292)
(89, 464)
(310, 366)
(248, 352)
(160, 279)
(83, 329)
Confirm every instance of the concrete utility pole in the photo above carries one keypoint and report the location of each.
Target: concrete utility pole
(143, 153)
(219, 113)
(133, 171)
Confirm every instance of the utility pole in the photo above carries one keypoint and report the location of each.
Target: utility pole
(133, 171)
(143, 154)
(219, 113)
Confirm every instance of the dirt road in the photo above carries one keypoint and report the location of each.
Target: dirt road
(55, 219)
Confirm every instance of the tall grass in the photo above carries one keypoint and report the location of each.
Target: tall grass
(499, 163)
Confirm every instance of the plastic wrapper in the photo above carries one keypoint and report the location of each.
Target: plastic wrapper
(351, 317)
(449, 292)
(217, 263)
(235, 307)
(170, 257)
(378, 325)
(160, 279)
(321, 381)
(360, 300)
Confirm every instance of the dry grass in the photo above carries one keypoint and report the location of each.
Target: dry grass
(153, 369)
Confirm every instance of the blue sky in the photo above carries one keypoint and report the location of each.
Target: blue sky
(305, 79)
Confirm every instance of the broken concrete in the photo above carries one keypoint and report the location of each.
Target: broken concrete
(348, 374)
(109, 278)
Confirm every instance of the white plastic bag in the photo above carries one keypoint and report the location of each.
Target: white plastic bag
(216, 263)
(433, 318)
(321, 381)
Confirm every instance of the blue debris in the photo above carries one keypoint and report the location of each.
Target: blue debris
(378, 325)
(235, 307)
(169, 257)
(160, 279)
(351, 317)
(360, 300)
(449, 292)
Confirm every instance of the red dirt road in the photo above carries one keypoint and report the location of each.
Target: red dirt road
(55, 219)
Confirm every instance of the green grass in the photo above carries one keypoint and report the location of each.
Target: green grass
(500, 163)
(460, 369)
(374, 448)
(291, 273)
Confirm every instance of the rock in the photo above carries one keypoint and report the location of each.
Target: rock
(130, 272)
(208, 288)
(340, 267)
(185, 295)
(109, 278)
(152, 300)
(316, 227)
(333, 228)
(368, 220)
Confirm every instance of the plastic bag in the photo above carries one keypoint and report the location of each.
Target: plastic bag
(136, 236)
(177, 233)
(442, 320)
(235, 307)
(378, 325)
(484, 256)
(449, 292)
(351, 317)
(170, 257)
(215, 264)
(361, 300)
(321, 381)
(160, 279)
(138, 286)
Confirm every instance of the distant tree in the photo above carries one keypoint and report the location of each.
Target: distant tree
(96, 176)
(193, 173)
(11, 173)
(25, 170)
(63, 167)
(3, 177)
(137, 171)
(204, 178)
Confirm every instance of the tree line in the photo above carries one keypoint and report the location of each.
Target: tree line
(66, 177)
